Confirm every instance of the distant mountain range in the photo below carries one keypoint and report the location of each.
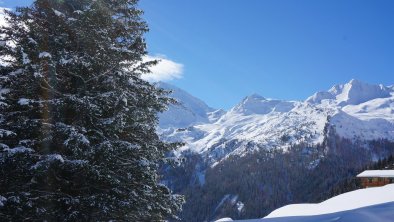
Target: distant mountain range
(356, 110)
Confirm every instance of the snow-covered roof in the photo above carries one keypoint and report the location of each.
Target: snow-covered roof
(377, 173)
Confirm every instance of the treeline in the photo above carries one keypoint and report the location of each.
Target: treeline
(352, 183)
(253, 185)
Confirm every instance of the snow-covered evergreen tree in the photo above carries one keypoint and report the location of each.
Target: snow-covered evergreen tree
(77, 123)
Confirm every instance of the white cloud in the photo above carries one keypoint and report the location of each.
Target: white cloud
(165, 69)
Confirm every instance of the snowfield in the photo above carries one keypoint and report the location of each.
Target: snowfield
(347, 201)
(364, 205)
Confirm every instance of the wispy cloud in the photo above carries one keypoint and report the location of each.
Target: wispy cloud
(165, 70)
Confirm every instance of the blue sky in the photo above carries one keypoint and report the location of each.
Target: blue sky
(225, 50)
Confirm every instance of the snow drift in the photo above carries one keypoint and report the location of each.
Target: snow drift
(347, 201)
(364, 205)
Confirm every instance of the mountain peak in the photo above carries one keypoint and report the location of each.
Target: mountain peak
(352, 93)
(257, 104)
(278, 124)
(356, 92)
(191, 110)
(255, 96)
(355, 82)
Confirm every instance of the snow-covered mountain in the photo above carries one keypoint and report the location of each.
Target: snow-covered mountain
(356, 110)
(256, 104)
(190, 111)
(351, 93)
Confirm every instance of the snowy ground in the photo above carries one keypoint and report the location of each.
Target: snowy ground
(364, 205)
(376, 213)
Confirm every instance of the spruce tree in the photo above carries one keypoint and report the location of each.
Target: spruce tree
(77, 123)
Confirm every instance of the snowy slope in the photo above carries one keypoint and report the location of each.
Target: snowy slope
(274, 129)
(351, 93)
(256, 104)
(356, 110)
(364, 205)
(347, 201)
(376, 213)
(190, 110)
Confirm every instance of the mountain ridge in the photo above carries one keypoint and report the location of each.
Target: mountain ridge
(191, 110)
(352, 93)
(356, 110)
